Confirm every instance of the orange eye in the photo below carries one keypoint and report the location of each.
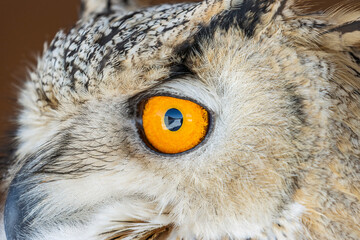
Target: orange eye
(172, 125)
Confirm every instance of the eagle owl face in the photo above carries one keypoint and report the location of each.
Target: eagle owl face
(212, 120)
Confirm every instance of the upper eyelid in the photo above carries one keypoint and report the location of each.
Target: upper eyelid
(150, 94)
(156, 90)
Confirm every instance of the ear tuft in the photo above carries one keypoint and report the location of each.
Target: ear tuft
(345, 35)
(93, 6)
(344, 31)
(90, 7)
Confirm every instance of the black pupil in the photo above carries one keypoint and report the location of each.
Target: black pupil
(173, 119)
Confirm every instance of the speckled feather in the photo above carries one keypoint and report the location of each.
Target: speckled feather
(76, 62)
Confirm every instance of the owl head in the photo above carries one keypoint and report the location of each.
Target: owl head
(224, 119)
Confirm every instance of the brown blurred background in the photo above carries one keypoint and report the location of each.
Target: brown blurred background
(26, 25)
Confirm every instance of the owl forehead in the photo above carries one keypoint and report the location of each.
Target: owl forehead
(138, 32)
(83, 59)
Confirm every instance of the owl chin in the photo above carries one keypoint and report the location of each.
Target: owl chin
(139, 220)
(132, 219)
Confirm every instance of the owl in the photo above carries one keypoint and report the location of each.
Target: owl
(215, 120)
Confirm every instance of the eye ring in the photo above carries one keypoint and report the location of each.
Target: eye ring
(189, 126)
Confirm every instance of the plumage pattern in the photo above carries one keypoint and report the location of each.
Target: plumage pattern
(281, 159)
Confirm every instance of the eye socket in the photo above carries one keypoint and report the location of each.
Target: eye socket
(173, 125)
